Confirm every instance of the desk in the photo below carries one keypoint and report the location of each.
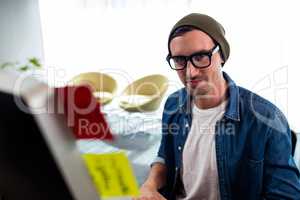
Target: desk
(137, 134)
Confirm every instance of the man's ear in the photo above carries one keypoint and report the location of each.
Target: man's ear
(222, 60)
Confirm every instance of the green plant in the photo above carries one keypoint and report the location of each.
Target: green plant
(32, 63)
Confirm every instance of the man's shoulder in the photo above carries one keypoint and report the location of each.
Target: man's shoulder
(260, 108)
(176, 99)
(251, 99)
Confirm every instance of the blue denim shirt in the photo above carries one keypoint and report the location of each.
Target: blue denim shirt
(252, 141)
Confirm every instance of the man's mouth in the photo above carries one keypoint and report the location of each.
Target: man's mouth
(194, 82)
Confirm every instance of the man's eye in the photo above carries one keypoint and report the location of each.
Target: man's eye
(179, 60)
(199, 57)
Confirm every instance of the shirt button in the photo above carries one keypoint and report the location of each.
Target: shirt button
(176, 168)
(187, 125)
(179, 148)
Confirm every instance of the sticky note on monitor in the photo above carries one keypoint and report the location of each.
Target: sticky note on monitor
(112, 175)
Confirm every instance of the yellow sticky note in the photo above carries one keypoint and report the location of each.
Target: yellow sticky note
(112, 174)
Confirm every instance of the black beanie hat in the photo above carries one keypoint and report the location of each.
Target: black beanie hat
(208, 25)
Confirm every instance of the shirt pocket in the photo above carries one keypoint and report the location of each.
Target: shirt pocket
(250, 179)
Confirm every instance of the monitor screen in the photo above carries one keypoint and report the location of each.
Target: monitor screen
(27, 167)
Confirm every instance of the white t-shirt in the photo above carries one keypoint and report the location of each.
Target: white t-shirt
(199, 166)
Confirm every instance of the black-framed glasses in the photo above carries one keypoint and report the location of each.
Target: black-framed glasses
(200, 59)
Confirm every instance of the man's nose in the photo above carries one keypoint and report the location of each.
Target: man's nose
(191, 69)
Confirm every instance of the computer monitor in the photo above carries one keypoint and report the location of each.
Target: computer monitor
(39, 159)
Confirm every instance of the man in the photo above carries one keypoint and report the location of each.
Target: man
(220, 141)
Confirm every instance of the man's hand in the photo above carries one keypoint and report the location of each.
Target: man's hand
(149, 193)
(155, 180)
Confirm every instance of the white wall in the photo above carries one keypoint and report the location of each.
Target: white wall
(130, 37)
(20, 29)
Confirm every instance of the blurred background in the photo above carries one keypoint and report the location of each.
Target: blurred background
(128, 38)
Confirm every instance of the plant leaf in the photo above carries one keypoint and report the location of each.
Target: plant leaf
(7, 64)
(24, 68)
(35, 62)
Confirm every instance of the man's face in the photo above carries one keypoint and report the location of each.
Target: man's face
(197, 81)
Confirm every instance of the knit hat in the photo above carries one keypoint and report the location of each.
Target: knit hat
(208, 25)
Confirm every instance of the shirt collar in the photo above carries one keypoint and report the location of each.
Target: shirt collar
(232, 109)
